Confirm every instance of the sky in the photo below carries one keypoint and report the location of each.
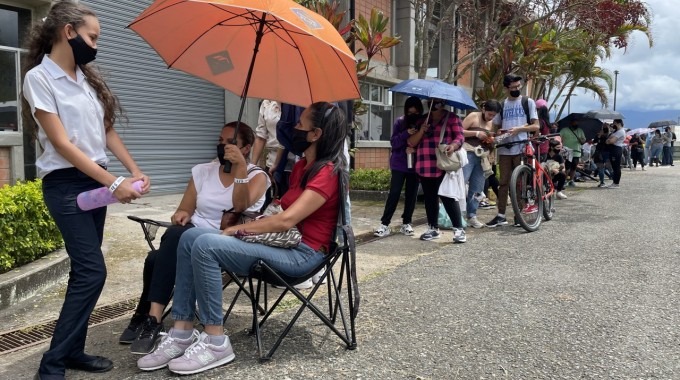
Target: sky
(648, 87)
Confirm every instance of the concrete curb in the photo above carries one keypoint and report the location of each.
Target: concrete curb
(22, 283)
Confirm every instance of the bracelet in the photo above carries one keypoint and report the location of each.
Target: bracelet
(477, 134)
(116, 183)
(241, 180)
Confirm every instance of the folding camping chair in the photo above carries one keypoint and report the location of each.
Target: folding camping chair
(339, 308)
(151, 227)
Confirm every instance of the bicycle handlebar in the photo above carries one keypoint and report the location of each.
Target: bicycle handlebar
(539, 139)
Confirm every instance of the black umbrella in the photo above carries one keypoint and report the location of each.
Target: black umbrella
(589, 125)
(662, 123)
(604, 114)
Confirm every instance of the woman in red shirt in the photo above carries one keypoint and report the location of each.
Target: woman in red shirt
(311, 203)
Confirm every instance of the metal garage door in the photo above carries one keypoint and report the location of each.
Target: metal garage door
(174, 118)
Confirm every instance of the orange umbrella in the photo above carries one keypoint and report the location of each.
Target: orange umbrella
(269, 49)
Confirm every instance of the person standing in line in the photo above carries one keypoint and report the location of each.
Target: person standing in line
(426, 142)
(656, 144)
(404, 127)
(544, 127)
(615, 142)
(477, 128)
(637, 151)
(514, 121)
(75, 112)
(667, 155)
(572, 138)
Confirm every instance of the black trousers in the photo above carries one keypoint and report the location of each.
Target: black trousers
(452, 208)
(559, 180)
(160, 268)
(431, 194)
(411, 193)
(492, 182)
(615, 159)
(83, 232)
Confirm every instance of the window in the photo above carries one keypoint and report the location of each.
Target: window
(376, 123)
(15, 23)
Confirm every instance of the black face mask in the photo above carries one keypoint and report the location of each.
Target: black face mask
(82, 52)
(515, 93)
(220, 153)
(411, 119)
(299, 141)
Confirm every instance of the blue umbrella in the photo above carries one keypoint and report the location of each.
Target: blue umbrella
(432, 88)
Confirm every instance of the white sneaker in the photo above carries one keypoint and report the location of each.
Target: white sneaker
(382, 231)
(561, 195)
(474, 222)
(202, 356)
(317, 277)
(304, 285)
(459, 235)
(407, 230)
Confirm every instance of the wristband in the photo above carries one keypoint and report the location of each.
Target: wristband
(477, 134)
(241, 180)
(116, 183)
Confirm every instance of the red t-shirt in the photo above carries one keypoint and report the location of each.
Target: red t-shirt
(317, 228)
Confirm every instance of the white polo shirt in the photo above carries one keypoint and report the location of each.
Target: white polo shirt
(47, 87)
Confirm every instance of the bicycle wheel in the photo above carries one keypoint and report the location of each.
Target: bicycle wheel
(548, 200)
(525, 196)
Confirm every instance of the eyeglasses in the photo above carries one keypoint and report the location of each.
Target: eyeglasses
(517, 87)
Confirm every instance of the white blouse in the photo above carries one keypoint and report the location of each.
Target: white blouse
(47, 87)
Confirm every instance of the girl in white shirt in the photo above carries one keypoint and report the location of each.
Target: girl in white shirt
(75, 112)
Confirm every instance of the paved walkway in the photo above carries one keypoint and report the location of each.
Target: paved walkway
(593, 294)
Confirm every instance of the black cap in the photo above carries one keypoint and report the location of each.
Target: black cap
(509, 78)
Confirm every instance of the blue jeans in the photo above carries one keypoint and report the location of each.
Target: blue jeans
(203, 251)
(474, 177)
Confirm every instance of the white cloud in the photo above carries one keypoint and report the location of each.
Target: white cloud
(649, 78)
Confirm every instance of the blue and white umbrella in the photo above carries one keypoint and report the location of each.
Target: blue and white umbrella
(433, 88)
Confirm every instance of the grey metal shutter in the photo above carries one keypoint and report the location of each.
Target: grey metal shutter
(174, 118)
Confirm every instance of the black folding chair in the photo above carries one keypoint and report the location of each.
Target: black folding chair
(151, 227)
(341, 281)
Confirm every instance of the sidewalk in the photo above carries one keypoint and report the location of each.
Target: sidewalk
(125, 250)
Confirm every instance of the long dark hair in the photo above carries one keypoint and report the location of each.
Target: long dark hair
(544, 114)
(42, 37)
(330, 146)
(413, 101)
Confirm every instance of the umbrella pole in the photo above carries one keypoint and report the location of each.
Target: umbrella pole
(258, 39)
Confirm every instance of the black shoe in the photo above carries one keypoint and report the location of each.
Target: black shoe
(134, 328)
(147, 339)
(96, 365)
(497, 221)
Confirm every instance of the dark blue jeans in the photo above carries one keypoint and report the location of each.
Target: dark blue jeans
(83, 232)
(396, 184)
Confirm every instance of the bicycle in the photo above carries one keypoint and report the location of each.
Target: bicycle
(532, 192)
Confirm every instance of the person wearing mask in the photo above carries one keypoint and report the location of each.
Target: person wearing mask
(667, 153)
(637, 151)
(572, 138)
(75, 112)
(615, 141)
(311, 204)
(402, 174)
(426, 141)
(209, 192)
(517, 122)
(477, 128)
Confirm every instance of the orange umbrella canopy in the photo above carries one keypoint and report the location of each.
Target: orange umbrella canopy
(301, 58)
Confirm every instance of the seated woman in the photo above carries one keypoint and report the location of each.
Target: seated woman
(554, 164)
(311, 204)
(210, 190)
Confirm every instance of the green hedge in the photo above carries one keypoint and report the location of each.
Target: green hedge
(370, 179)
(27, 230)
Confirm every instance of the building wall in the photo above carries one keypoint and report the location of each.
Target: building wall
(364, 7)
(4, 166)
(372, 158)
